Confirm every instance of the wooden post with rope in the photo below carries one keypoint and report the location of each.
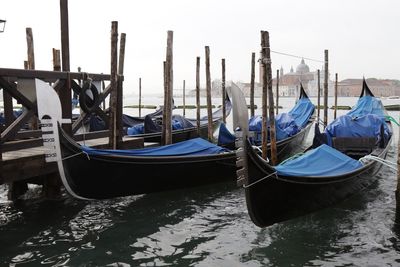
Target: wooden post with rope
(398, 181)
(140, 97)
(223, 91)
(263, 66)
(277, 92)
(326, 89)
(253, 66)
(198, 94)
(318, 95)
(336, 93)
(184, 98)
(208, 89)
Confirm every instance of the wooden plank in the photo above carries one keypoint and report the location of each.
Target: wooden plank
(12, 130)
(48, 76)
(22, 144)
(11, 88)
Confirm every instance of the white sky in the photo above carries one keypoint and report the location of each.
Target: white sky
(362, 36)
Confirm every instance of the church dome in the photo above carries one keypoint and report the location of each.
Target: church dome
(302, 67)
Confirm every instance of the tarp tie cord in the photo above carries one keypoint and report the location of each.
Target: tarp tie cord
(253, 183)
(385, 162)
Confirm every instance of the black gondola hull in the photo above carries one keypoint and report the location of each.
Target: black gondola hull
(276, 199)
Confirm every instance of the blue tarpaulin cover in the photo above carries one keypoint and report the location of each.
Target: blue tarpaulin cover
(287, 124)
(364, 126)
(225, 136)
(367, 105)
(196, 146)
(302, 111)
(136, 129)
(321, 161)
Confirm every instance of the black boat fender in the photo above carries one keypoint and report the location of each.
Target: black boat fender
(87, 103)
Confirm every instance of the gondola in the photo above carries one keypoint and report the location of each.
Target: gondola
(89, 173)
(342, 161)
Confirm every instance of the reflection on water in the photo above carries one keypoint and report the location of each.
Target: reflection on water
(206, 226)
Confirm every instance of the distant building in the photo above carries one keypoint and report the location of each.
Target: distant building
(385, 88)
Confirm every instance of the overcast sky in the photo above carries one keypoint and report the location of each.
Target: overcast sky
(362, 36)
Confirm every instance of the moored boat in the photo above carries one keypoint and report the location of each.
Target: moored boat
(342, 161)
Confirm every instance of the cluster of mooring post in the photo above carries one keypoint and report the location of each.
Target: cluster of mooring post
(267, 94)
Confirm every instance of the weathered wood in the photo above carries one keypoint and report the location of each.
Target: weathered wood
(336, 92)
(184, 99)
(11, 89)
(326, 89)
(253, 66)
(264, 76)
(64, 35)
(198, 94)
(26, 64)
(208, 91)
(114, 85)
(121, 60)
(398, 181)
(22, 144)
(16, 189)
(223, 91)
(140, 97)
(52, 186)
(164, 119)
(319, 97)
(267, 59)
(8, 108)
(12, 130)
(277, 92)
(119, 122)
(56, 60)
(48, 76)
(31, 52)
(169, 87)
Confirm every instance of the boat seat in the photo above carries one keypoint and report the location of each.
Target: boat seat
(355, 146)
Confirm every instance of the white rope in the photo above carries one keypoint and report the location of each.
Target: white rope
(385, 162)
(253, 183)
(77, 154)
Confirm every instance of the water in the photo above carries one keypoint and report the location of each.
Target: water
(206, 226)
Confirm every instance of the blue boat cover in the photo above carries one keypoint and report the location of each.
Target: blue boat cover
(364, 126)
(302, 111)
(367, 105)
(196, 146)
(321, 161)
(225, 137)
(136, 129)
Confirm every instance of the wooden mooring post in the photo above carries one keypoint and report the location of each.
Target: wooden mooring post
(223, 91)
(398, 182)
(184, 99)
(168, 90)
(56, 60)
(263, 66)
(268, 72)
(253, 66)
(114, 84)
(318, 95)
(277, 92)
(198, 94)
(326, 74)
(31, 53)
(336, 93)
(140, 97)
(208, 90)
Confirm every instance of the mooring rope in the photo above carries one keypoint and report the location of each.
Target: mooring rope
(390, 118)
(253, 183)
(385, 162)
(77, 154)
